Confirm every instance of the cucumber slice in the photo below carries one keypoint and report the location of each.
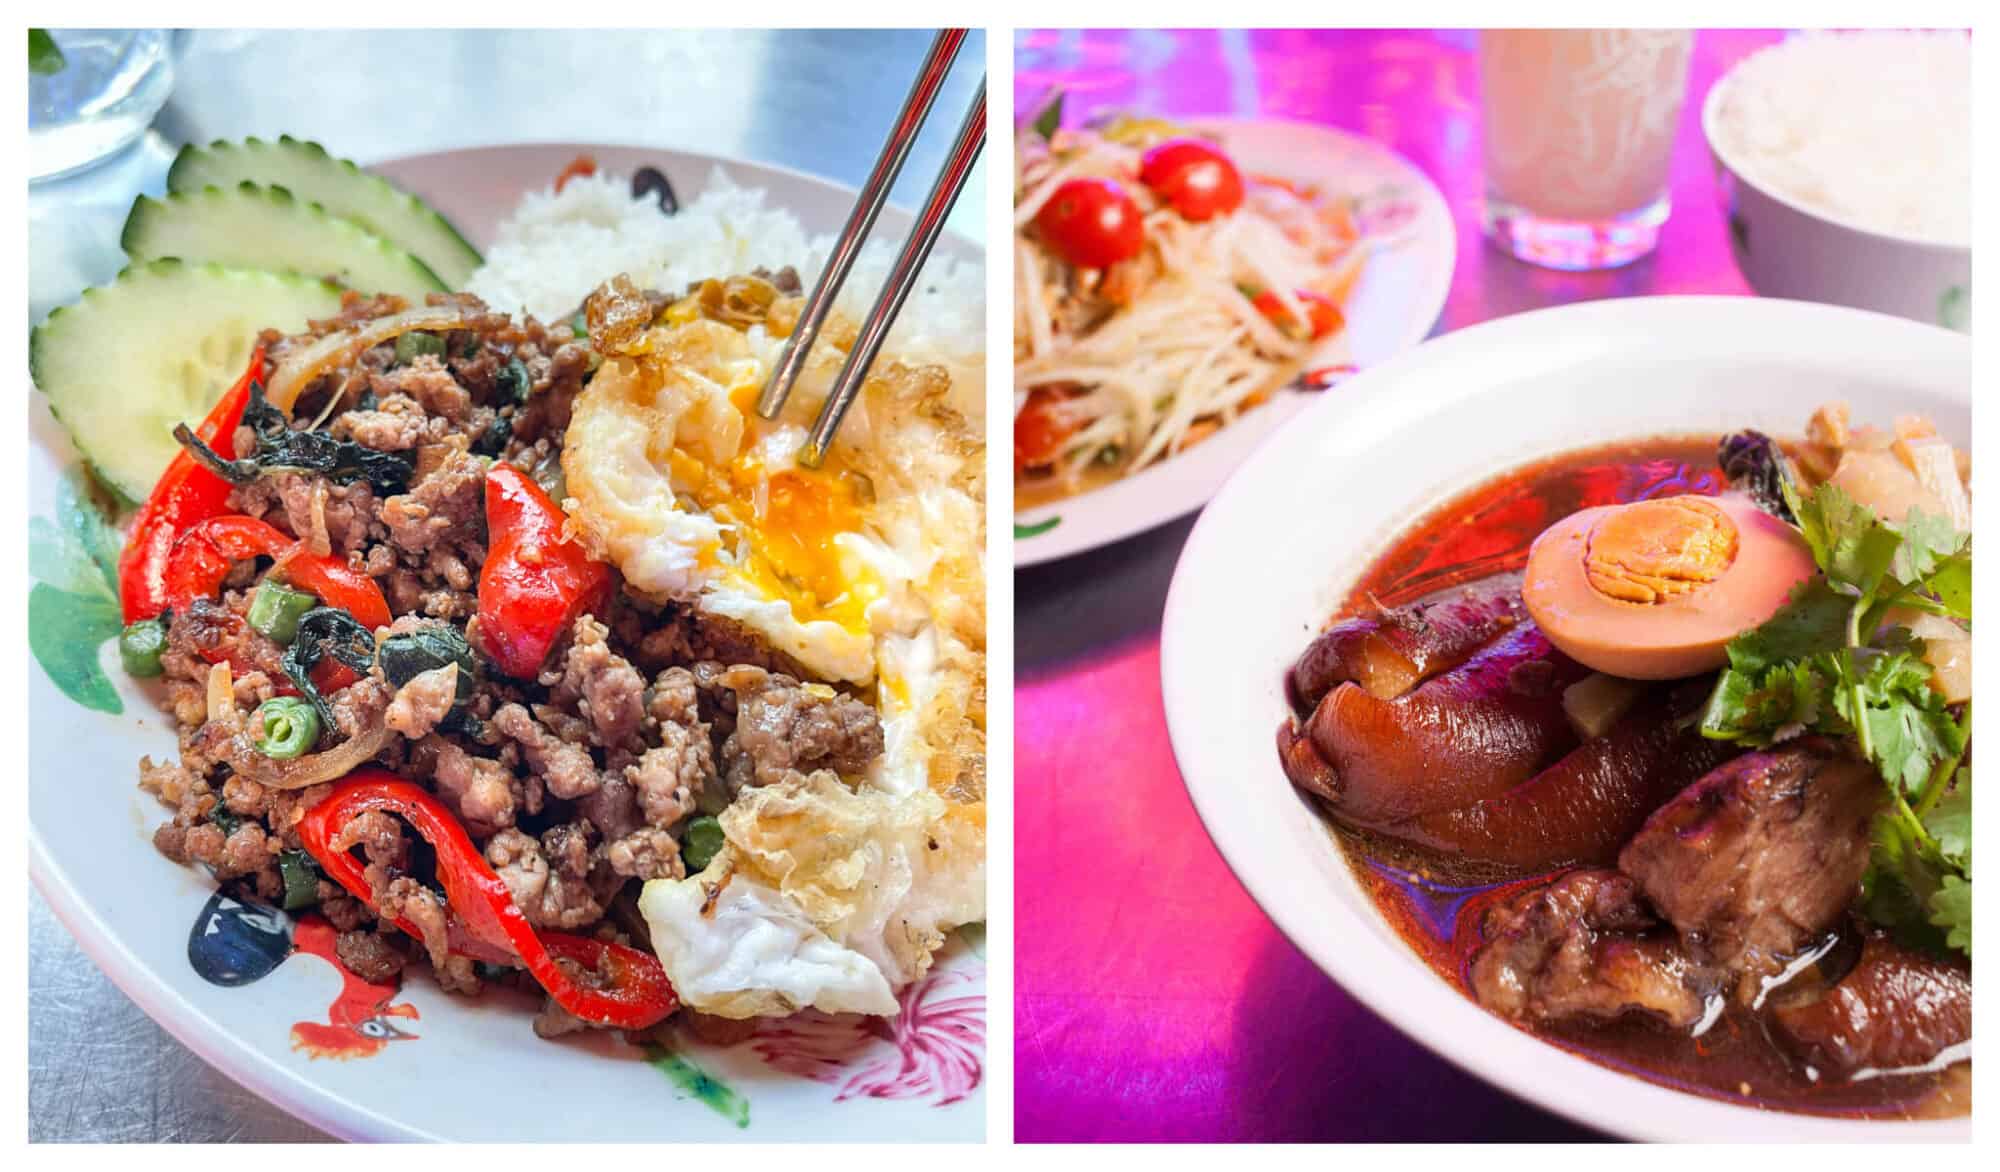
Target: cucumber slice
(157, 347)
(253, 227)
(309, 172)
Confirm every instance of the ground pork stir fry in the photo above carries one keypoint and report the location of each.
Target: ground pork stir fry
(576, 784)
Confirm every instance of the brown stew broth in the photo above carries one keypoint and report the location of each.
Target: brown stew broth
(1436, 902)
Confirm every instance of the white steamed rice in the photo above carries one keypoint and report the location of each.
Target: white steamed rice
(557, 247)
(1875, 127)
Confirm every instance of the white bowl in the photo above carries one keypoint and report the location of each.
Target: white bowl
(1787, 249)
(1278, 548)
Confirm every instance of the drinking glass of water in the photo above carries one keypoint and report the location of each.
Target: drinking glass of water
(1580, 139)
(91, 93)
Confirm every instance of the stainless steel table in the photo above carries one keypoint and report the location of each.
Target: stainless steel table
(98, 1068)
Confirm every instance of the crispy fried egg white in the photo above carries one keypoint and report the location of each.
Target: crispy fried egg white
(832, 892)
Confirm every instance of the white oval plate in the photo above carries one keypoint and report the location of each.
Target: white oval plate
(1393, 307)
(1282, 543)
(468, 1070)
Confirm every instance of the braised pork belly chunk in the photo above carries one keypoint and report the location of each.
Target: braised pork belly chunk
(1760, 858)
(1584, 945)
(1895, 1010)
(1743, 872)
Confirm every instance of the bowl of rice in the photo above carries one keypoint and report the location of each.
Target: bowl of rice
(1844, 161)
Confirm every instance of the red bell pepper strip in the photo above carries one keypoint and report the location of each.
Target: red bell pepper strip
(185, 494)
(336, 583)
(482, 920)
(201, 558)
(200, 562)
(536, 581)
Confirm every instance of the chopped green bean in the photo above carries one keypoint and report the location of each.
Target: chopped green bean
(140, 645)
(416, 343)
(301, 876)
(275, 610)
(702, 843)
(286, 727)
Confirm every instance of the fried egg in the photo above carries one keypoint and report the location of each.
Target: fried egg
(867, 571)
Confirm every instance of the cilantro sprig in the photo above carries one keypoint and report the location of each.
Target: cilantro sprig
(1831, 661)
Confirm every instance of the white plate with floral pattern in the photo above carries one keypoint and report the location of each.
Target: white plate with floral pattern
(410, 1062)
(1394, 305)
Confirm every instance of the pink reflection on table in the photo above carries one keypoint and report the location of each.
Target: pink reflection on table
(1154, 1001)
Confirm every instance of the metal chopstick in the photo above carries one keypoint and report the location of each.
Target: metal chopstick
(902, 278)
(874, 193)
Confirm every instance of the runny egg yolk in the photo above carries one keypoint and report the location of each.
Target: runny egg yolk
(788, 522)
(1655, 550)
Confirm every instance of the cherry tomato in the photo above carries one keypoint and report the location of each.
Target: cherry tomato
(1193, 176)
(1092, 223)
(1041, 429)
(1323, 317)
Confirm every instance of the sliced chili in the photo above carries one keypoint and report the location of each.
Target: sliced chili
(336, 582)
(482, 920)
(185, 494)
(580, 167)
(201, 558)
(535, 581)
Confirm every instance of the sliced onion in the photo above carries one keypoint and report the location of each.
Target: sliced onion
(1877, 479)
(300, 772)
(299, 369)
(1948, 649)
(229, 737)
(1936, 465)
(222, 694)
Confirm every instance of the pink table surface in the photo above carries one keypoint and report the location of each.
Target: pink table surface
(1153, 999)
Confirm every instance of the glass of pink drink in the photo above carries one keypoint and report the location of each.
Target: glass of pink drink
(1579, 140)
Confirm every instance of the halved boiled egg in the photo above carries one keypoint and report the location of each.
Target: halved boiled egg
(1653, 590)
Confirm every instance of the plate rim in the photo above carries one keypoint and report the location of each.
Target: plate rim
(290, 1089)
(1055, 544)
(956, 238)
(221, 1048)
(1682, 1115)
